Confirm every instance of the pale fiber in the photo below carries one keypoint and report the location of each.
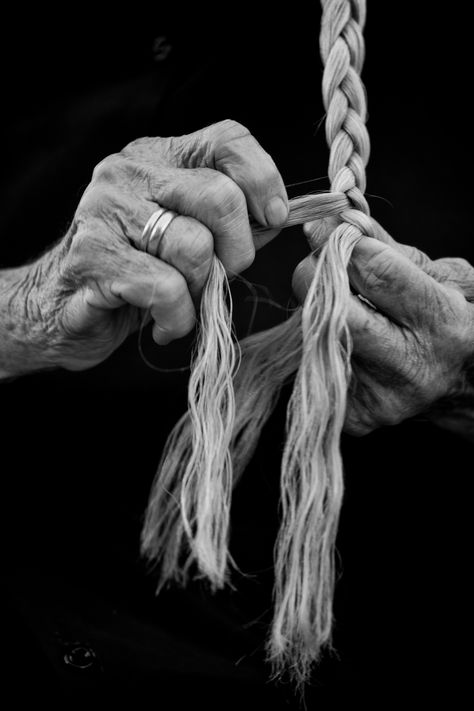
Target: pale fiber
(312, 477)
(187, 521)
(187, 513)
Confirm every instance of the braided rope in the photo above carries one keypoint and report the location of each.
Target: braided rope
(315, 341)
(312, 473)
(343, 52)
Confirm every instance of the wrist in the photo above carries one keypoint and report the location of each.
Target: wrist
(26, 334)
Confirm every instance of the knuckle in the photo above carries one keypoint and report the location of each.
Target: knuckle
(100, 201)
(108, 170)
(138, 177)
(461, 263)
(356, 426)
(448, 313)
(136, 145)
(361, 327)
(454, 266)
(184, 150)
(229, 130)
(457, 273)
(458, 330)
(224, 197)
(117, 179)
(82, 255)
(418, 257)
(145, 154)
(141, 147)
(111, 210)
(378, 272)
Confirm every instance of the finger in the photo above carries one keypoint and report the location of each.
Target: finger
(414, 254)
(143, 281)
(390, 281)
(230, 148)
(373, 335)
(456, 272)
(452, 271)
(215, 201)
(318, 232)
(227, 147)
(385, 277)
(206, 195)
(188, 246)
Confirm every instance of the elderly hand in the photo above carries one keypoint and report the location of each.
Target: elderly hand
(77, 303)
(412, 352)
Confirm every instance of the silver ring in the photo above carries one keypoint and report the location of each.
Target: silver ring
(154, 217)
(158, 230)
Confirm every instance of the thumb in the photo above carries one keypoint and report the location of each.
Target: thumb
(415, 255)
(110, 276)
(318, 232)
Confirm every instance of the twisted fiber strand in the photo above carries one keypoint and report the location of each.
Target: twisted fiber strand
(312, 476)
(187, 517)
(312, 481)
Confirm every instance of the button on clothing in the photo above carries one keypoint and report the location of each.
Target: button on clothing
(80, 656)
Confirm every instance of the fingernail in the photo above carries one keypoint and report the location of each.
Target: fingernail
(276, 212)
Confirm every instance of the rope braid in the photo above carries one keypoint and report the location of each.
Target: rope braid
(187, 520)
(312, 475)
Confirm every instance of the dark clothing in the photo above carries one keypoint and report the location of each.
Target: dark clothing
(80, 449)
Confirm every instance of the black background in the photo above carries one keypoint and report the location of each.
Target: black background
(79, 450)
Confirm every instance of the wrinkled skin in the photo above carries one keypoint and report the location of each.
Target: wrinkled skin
(72, 307)
(413, 353)
(77, 303)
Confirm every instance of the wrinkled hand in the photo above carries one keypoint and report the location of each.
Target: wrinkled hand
(413, 352)
(86, 293)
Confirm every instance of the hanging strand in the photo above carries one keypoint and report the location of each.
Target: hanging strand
(187, 520)
(312, 476)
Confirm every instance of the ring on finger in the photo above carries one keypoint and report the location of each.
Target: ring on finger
(155, 229)
(158, 231)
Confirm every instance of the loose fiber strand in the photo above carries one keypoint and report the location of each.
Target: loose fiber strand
(186, 525)
(268, 359)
